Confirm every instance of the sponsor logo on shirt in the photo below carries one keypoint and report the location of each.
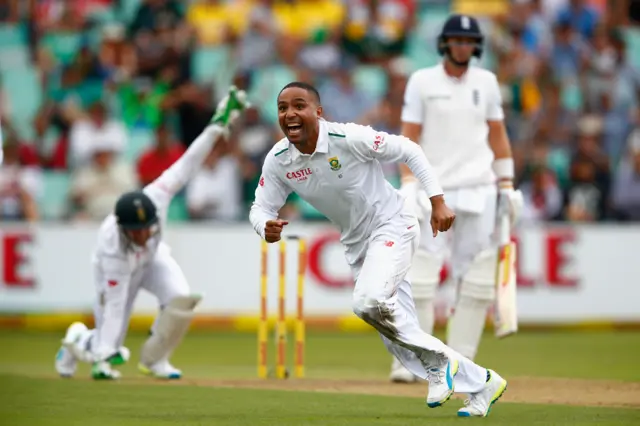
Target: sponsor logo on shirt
(379, 140)
(261, 183)
(112, 283)
(300, 175)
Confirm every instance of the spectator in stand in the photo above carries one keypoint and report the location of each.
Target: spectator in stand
(95, 129)
(581, 16)
(312, 29)
(587, 197)
(567, 53)
(96, 186)
(193, 106)
(254, 139)
(155, 13)
(215, 192)
(160, 157)
(542, 196)
(217, 21)
(9, 11)
(20, 185)
(626, 182)
(257, 46)
(376, 31)
(342, 100)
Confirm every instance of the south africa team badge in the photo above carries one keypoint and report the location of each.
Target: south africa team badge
(335, 164)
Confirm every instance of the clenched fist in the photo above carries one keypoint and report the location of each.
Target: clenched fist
(442, 217)
(273, 230)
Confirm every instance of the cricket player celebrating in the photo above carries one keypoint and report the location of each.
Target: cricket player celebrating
(455, 112)
(336, 168)
(130, 256)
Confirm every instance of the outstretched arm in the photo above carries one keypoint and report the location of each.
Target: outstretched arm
(271, 195)
(163, 189)
(367, 145)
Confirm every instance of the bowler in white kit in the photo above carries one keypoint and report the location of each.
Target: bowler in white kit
(454, 112)
(336, 168)
(131, 256)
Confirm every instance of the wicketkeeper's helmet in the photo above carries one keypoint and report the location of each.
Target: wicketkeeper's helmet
(461, 26)
(135, 210)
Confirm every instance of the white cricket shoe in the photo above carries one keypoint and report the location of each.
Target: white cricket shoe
(399, 374)
(440, 379)
(66, 362)
(161, 370)
(479, 403)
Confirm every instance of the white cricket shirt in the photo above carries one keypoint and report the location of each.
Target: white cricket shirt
(118, 263)
(454, 113)
(343, 178)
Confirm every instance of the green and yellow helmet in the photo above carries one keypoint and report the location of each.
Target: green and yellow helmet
(135, 210)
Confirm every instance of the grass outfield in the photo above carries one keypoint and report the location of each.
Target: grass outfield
(555, 379)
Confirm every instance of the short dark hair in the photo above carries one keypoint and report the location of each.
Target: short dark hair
(302, 85)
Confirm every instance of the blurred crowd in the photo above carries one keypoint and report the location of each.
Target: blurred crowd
(98, 97)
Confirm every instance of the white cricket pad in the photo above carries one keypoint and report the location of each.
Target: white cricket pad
(424, 274)
(173, 324)
(479, 282)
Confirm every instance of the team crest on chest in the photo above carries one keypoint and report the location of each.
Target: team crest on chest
(334, 163)
(476, 97)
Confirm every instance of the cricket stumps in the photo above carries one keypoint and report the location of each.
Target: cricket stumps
(281, 371)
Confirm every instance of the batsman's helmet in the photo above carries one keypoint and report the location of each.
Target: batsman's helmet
(460, 26)
(135, 210)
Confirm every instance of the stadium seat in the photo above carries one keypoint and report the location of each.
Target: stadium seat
(371, 79)
(25, 94)
(213, 65)
(632, 38)
(63, 46)
(128, 10)
(266, 85)
(55, 195)
(178, 211)
(14, 51)
(139, 140)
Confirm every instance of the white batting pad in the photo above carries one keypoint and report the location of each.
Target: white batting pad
(173, 324)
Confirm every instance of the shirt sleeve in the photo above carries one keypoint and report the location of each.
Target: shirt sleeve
(413, 108)
(368, 145)
(271, 195)
(494, 103)
(116, 275)
(163, 189)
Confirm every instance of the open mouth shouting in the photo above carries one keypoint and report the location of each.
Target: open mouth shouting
(294, 130)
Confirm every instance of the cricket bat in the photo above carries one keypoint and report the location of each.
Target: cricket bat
(505, 317)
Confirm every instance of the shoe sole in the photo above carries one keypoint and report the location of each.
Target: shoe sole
(147, 372)
(495, 399)
(451, 374)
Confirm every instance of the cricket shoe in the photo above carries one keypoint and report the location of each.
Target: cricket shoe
(66, 362)
(479, 403)
(399, 374)
(440, 379)
(161, 370)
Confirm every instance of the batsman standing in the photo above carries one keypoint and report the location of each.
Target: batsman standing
(130, 256)
(455, 112)
(336, 168)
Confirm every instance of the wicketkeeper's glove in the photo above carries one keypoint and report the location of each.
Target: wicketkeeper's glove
(230, 108)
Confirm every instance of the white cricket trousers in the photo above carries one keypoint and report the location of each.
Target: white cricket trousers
(382, 298)
(162, 277)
